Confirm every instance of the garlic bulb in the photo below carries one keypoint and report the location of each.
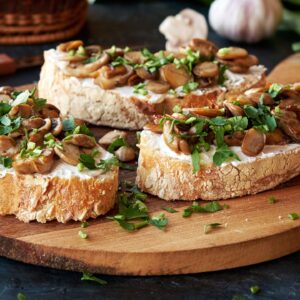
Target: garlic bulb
(179, 30)
(245, 20)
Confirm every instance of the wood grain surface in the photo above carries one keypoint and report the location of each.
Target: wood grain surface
(252, 231)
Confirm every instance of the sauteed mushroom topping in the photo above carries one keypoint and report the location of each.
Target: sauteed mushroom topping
(258, 117)
(33, 136)
(200, 63)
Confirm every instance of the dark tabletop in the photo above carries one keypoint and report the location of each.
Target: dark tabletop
(136, 24)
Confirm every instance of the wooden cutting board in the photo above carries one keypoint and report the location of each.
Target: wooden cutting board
(252, 231)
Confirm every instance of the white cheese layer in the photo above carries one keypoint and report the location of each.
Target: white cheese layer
(155, 141)
(233, 79)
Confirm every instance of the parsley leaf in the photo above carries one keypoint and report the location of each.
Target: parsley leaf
(82, 234)
(119, 142)
(196, 160)
(272, 200)
(208, 227)
(222, 77)
(140, 89)
(4, 108)
(88, 161)
(211, 207)
(189, 87)
(21, 296)
(159, 221)
(293, 216)
(222, 154)
(171, 210)
(275, 89)
(87, 276)
(6, 161)
(254, 289)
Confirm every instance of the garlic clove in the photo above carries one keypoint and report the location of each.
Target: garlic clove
(180, 29)
(249, 21)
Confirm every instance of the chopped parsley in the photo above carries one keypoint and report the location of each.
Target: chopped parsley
(293, 216)
(272, 200)
(191, 58)
(87, 276)
(159, 221)
(119, 142)
(211, 207)
(88, 161)
(296, 47)
(84, 224)
(140, 89)
(170, 210)
(154, 62)
(21, 296)
(82, 234)
(254, 289)
(222, 77)
(189, 87)
(6, 161)
(208, 227)
(275, 89)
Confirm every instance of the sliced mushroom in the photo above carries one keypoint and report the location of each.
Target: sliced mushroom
(289, 123)
(111, 72)
(205, 112)
(49, 111)
(205, 47)
(234, 110)
(170, 139)
(232, 53)
(256, 94)
(17, 133)
(46, 127)
(7, 146)
(276, 137)
(110, 83)
(69, 153)
(184, 147)
(206, 69)
(135, 57)
(253, 142)
(72, 45)
(85, 70)
(33, 123)
(153, 127)
(235, 139)
(125, 153)
(134, 79)
(145, 74)
(175, 76)
(41, 164)
(21, 110)
(205, 82)
(37, 137)
(111, 136)
(157, 87)
(57, 126)
(81, 140)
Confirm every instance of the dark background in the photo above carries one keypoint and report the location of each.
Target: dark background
(135, 24)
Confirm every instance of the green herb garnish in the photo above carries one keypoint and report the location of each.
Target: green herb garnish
(6, 161)
(275, 89)
(140, 89)
(272, 200)
(189, 87)
(119, 142)
(87, 276)
(84, 224)
(89, 162)
(211, 207)
(21, 296)
(170, 210)
(293, 216)
(208, 227)
(296, 47)
(82, 234)
(254, 289)
(159, 221)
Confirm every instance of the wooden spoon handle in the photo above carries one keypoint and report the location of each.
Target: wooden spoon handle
(287, 71)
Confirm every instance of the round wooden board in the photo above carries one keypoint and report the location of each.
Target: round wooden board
(252, 231)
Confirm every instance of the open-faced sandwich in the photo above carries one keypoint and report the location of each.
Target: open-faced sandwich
(124, 88)
(51, 168)
(245, 144)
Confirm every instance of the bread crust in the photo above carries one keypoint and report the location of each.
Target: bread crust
(173, 179)
(108, 107)
(44, 198)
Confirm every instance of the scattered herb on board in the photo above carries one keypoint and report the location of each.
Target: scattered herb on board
(159, 221)
(208, 227)
(86, 276)
(293, 216)
(296, 47)
(21, 296)
(254, 289)
(272, 200)
(170, 210)
(84, 224)
(82, 234)
(211, 207)
(133, 213)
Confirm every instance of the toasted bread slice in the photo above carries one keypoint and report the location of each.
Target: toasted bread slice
(170, 176)
(120, 107)
(64, 194)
